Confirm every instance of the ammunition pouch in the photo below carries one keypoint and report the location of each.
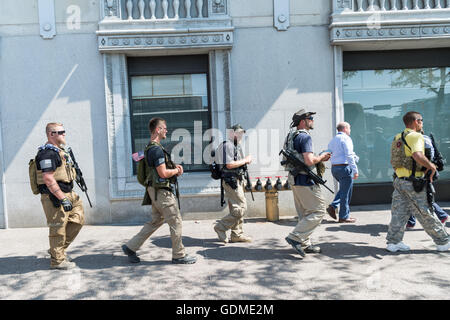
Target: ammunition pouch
(56, 202)
(418, 183)
(231, 179)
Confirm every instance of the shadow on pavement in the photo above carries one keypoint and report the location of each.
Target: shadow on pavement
(373, 229)
(23, 264)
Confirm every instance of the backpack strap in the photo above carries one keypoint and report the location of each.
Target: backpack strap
(414, 166)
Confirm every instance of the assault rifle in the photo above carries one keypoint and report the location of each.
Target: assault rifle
(438, 160)
(301, 166)
(79, 178)
(430, 190)
(248, 186)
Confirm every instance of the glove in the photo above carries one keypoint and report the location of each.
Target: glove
(67, 205)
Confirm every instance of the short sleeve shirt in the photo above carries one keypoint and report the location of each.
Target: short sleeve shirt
(302, 144)
(155, 156)
(416, 142)
(48, 160)
(227, 148)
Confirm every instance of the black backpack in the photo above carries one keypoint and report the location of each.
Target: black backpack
(215, 168)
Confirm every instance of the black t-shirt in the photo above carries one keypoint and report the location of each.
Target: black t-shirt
(155, 156)
(48, 160)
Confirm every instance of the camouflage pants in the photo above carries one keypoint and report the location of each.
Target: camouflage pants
(407, 202)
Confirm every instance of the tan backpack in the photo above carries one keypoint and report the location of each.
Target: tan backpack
(33, 176)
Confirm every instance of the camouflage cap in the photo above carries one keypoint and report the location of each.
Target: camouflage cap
(237, 128)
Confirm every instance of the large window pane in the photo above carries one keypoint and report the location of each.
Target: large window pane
(374, 104)
(182, 100)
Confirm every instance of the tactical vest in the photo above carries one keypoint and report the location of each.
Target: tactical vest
(399, 159)
(64, 173)
(289, 145)
(153, 179)
(237, 155)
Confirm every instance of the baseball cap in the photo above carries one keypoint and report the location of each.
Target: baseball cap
(301, 114)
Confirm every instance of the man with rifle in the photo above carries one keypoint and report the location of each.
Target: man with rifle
(161, 177)
(432, 154)
(63, 208)
(230, 157)
(305, 178)
(410, 197)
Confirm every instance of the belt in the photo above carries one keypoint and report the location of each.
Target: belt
(403, 178)
(339, 165)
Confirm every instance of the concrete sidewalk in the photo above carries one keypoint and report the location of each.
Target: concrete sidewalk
(353, 265)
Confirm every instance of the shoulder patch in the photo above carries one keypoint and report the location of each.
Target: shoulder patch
(45, 164)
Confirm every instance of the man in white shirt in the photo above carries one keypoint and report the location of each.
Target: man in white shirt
(344, 170)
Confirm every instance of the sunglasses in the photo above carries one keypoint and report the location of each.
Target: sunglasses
(59, 132)
(310, 118)
(420, 120)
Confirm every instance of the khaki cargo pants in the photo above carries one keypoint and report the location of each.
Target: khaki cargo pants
(237, 205)
(63, 226)
(164, 209)
(311, 207)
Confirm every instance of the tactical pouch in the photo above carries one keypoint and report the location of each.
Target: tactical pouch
(56, 202)
(231, 180)
(418, 183)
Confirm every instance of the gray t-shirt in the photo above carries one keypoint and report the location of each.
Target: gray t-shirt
(229, 153)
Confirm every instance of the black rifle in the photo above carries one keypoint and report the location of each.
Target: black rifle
(438, 160)
(301, 166)
(222, 193)
(79, 178)
(177, 193)
(430, 190)
(247, 177)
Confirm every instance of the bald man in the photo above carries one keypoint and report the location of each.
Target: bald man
(344, 170)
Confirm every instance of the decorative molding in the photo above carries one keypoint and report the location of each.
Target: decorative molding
(281, 13)
(165, 41)
(47, 25)
(354, 34)
(110, 9)
(218, 7)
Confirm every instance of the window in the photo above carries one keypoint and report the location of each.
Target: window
(375, 102)
(178, 94)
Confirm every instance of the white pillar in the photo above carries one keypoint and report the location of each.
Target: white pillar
(199, 8)
(187, 5)
(130, 9)
(393, 5)
(360, 6)
(176, 6)
(152, 9)
(141, 6)
(165, 5)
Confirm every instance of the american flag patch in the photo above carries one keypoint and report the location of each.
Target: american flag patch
(138, 156)
(45, 164)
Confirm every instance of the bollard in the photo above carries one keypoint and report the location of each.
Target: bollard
(272, 211)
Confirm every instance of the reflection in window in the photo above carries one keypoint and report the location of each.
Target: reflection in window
(180, 99)
(374, 104)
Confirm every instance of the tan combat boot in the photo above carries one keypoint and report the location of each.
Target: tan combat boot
(65, 265)
(220, 233)
(241, 238)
